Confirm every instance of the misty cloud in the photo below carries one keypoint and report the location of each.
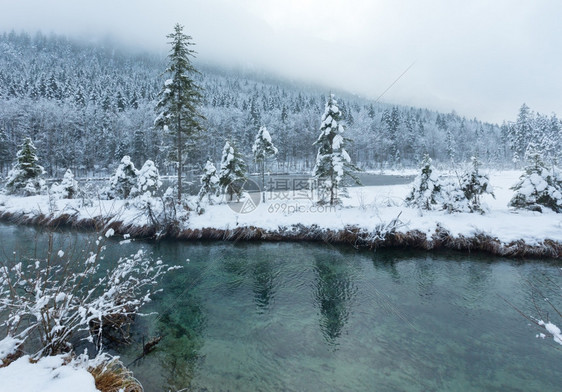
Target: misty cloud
(478, 58)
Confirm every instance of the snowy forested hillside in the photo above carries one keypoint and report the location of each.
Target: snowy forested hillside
(85, 106)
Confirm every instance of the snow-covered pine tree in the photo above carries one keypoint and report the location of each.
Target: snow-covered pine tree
(179, 98)
(263, 149)
(123, 180)
(68, 188)
(392, 122)
(451, 197)
(148, 181)
(474, 184)
(233, 168)
(25, 177)
(521, 132)
(139, 146)
(209, 182)
(4, 151)
(538, 185)
(333, 163)
(426, 192)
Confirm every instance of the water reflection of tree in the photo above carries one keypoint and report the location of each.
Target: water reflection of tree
(264, 275)
(335, 290)
(262, 271)
(478, 273)
(426, 274)
(182, 324)
(386, 261)
(182, 329)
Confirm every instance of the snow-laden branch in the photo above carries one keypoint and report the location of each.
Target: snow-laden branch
(55, 298)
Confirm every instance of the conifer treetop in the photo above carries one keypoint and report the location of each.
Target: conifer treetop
(263, 146)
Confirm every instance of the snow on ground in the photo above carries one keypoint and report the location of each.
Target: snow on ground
(8, 346)
(369, 206)
(366, 207)
(49, 374)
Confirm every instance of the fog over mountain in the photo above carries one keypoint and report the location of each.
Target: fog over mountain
(478, 58)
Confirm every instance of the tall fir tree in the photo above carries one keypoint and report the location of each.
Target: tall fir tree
(263, 149)
(520, 133)
(392, 121)
(333, 163)
(180, 98)
(4, 150)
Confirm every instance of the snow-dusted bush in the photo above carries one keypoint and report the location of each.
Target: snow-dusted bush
(148, 181)
(46, 302)
(25, 177)
(123, 180)
(538, 186)
(209, 182)
(67, 189)
(426, 190)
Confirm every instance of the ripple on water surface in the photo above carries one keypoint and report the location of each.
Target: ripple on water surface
(309, 317)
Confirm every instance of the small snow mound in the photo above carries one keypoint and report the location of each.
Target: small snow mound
(8, 346)
(49, 374)
(553, 330)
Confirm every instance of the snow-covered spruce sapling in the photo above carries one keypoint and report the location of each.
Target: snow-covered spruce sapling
(463, 193)
(263, 149)
(333, 163)
(232, 171)
(451, 197)
(68, 188)
(123, 180)
(179, 98)
(45, 303)
(25, 177)
(148, 181)
(474, 184)
(538, 186)
(426, 191)
(209, 182)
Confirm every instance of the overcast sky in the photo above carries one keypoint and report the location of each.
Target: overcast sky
(480, 58)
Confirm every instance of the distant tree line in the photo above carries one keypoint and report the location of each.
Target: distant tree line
(86, 106)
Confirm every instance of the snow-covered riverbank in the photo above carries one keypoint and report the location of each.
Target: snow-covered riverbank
(371, 216)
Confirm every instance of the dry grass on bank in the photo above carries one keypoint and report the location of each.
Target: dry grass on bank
(113, 376)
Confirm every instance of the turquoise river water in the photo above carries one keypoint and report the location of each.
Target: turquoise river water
(314, 317)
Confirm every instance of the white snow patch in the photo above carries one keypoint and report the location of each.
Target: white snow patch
(49, 374)
(553, 330)
(8, 346)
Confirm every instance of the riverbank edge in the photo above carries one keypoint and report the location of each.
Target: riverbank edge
(440, 239)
